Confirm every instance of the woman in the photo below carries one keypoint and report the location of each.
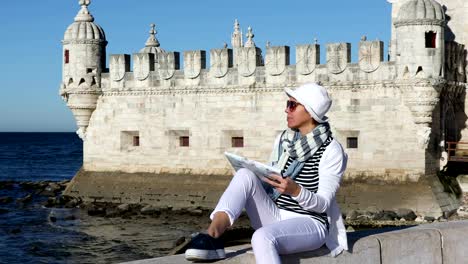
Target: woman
(295, 211)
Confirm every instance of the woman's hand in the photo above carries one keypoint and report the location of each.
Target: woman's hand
(283, 185)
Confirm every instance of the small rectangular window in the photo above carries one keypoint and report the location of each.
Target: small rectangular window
(184, 141)
(67, 56)
(431, 38)
(136, 141)
(352, 142)
(237, 142)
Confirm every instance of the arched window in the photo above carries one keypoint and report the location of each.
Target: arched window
(431, 38)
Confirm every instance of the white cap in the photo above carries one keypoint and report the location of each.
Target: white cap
(314, 98)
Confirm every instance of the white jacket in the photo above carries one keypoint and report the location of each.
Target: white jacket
(331, 169)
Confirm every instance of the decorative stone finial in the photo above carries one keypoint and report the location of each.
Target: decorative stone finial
(249, 43)
(152, 40)
(364, 38)
(236, 25)
(225, 45)
(315, 41)
(84, 15)
(236, 37)
(268, 44)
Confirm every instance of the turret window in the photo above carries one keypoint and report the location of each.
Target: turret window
(66, 56)
(431, 38)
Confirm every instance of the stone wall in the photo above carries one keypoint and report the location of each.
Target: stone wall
(373, 113)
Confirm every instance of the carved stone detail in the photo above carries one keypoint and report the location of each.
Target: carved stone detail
(168, 64)
(421, 97)
(370, 55)
(307, 58)
(119, 64)
(143, 63)
(194, 61)
(338, 56)
(247, 61)
(276, 60)
(220, 61)
(84, 41)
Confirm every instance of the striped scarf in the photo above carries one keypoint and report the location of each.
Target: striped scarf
(301, 148)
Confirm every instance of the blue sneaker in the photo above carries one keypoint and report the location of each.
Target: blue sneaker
(205, 247)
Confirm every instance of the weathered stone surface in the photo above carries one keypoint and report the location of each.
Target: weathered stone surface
(454, 239)
(410, 246)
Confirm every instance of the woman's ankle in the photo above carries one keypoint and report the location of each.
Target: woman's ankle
(219, 224)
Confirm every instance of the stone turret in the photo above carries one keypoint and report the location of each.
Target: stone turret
(152, 44)
(84, 59)
(420, 45)
(420, 59)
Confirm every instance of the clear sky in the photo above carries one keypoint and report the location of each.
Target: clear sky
(31, 32)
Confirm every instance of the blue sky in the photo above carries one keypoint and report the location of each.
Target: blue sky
(30, 65)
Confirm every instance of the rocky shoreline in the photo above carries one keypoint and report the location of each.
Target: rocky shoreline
(140, 225)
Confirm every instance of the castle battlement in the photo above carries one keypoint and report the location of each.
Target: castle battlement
(245, 66)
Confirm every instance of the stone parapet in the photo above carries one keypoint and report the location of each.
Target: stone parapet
(430, 244)
(250, 69)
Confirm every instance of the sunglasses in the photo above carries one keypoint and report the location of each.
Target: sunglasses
(291, 105)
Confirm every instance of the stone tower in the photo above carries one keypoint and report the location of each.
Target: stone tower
(84, 59)
(420, 46)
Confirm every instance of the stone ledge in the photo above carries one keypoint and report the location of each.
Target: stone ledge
(431, 243)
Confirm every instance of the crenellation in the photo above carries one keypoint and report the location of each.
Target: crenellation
(251, 69)
(307, 59)
(338, 57)
(370, 55)
(143, 64)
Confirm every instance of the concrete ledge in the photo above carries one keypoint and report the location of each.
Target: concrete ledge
(430, 243)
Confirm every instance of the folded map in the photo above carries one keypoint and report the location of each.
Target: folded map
(259, 169)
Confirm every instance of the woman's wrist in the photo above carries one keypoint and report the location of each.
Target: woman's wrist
(297, 192)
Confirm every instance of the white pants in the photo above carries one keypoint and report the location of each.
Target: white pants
(277, 231)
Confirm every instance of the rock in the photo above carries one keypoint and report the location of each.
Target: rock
(419, 219)
(72, 202)
(195, 212)
(150, 210)
(385, 216)
(429, 218)
(50, 202)
(407, 214)
(350, 229)
(112, 212)
(94, 210)
(352, 215)
(365, 216)
(442, 219)
(7, 185)
(123, 207)
(26, 199)
(6, 199)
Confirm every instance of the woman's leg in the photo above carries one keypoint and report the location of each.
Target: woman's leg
(287, 236)
(244, 191)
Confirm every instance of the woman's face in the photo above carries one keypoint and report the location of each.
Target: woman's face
(297, 116)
